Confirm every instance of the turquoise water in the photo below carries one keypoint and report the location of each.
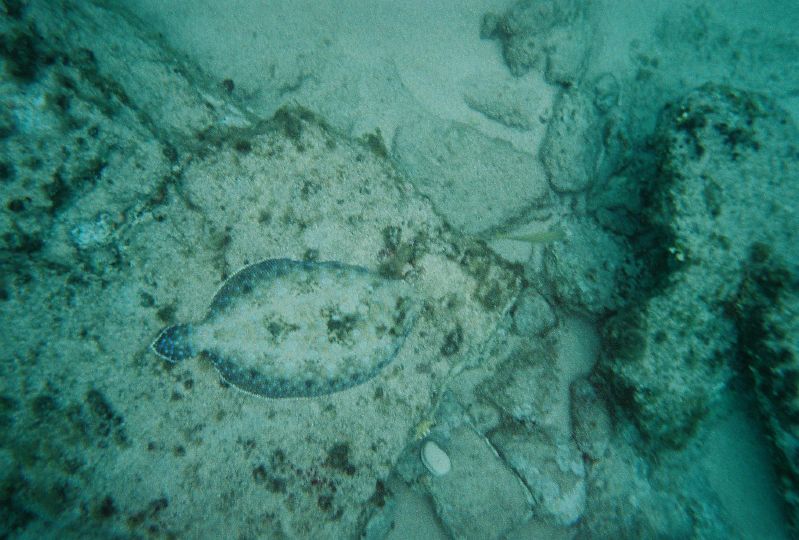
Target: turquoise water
(590, 207)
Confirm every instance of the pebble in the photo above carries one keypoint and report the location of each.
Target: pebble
(435, 459)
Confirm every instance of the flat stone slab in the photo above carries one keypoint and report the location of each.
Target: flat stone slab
(476, 182)
(103, 437)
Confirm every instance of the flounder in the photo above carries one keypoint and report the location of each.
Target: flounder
(284, 328)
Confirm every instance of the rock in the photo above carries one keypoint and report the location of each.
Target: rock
(525, 385)
(590, 418)
(382, 521)
(510, 103)
(537, 34)
(591, 270)
(627, 499)
(552, 469)
(606, 92)
(571, 148)
(726, 167)
(480, 497)
(110, 123)
(767, 314)
(153, 83)
(532, 315)
(616, 204)
(92, 233)
(474, 181)
(484, 417)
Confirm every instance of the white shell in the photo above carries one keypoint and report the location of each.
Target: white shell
(435, 459)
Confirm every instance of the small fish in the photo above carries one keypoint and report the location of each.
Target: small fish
(285, 328)
(537, 237)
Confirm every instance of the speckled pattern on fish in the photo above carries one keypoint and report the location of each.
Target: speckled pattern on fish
(285, 328)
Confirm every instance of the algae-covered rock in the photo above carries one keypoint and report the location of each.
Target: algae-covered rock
(591, 270)
(591, 424)
(726, 179)
(571, 148)
(537, 34)
(767, 314)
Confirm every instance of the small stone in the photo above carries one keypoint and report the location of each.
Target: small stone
(435, 459)
(92, 233)
(591, 424)
(533, 315)
(606, 92)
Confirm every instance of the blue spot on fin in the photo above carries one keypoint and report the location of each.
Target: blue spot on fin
(174, 343)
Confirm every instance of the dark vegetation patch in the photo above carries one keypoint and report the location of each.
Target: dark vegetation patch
(7, 171)
(18, 205)
(24, 53)
(325, 502)
(452, 341)
(18, 241)
(492, 291)
(8, 407)
(378, 498)
(340, 326)
(396, 254)
(14, 8)
(376, 143)
(58, 191)
(146, 299)
(338, 458)
(291, 122)
(265, 477)
(107, 423)
(149, 517)
(242, 146)
(166, 314)
(170, 153)
(106, 508)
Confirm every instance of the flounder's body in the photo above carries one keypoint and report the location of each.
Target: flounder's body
(285, 328)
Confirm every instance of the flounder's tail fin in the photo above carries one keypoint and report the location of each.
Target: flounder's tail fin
(174, 343)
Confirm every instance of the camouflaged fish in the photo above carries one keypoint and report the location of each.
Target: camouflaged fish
(285, 328)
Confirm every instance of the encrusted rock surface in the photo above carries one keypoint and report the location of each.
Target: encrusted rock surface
(539, 34)
(131, 190)
(727, 169)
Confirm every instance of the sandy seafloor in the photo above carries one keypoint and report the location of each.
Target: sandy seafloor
(517, 163)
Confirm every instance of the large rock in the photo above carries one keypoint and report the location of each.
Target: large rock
(476, 182)
(629, 497)
(727, 179)
(767, 313)
(153, 200)
(481, 497)
(512, 103)
(552, 469)
(591, 270)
